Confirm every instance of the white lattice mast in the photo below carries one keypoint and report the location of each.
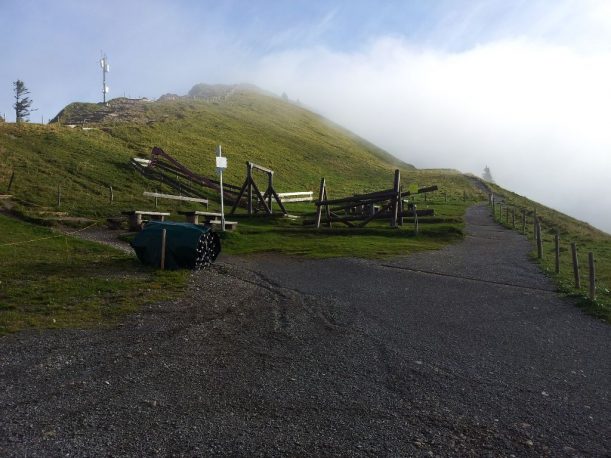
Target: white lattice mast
(105, 69)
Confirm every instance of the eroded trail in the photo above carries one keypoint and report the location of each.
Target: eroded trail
(465, 351)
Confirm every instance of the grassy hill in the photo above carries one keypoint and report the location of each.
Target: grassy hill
(88, 148)
(297, 144)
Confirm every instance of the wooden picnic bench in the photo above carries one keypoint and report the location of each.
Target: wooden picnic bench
(209, 219)
(135, 218)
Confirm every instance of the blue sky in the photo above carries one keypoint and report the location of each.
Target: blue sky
(522, 85)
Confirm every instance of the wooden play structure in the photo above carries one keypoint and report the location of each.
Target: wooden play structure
(363, 208)
(264, 201)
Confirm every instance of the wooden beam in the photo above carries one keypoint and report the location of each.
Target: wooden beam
(260, 167)
(174, 197)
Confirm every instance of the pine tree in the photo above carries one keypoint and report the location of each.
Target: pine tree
(22, 101)
(487, 176)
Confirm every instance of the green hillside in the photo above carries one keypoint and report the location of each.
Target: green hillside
(297, 144)
(88, 147)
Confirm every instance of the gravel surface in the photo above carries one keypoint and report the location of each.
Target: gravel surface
(102, 235)
(462, 352)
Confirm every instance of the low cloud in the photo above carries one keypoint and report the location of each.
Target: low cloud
(536, 114)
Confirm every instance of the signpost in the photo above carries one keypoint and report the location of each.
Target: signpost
(221, 164)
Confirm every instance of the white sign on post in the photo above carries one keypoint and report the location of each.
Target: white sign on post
(221, 164)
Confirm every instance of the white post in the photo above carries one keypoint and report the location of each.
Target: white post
(221, 163)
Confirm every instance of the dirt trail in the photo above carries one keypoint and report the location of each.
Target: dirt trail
(462, 352)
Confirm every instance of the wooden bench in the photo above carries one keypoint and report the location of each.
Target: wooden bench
(229, 225)
(193, 216)
(209, 219)
(135, 218)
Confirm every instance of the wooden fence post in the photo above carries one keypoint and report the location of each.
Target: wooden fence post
(163, 240)
(416, 219)
(111, 195)
(249, 178)
(397, 196)
(557, 251)
(535, 223)
(539, 241)
(319, 206)
(575, 265)
(156, 198)
(513, 217)
(59, 196)
(592, 276)
(10, 183)
(524, 221)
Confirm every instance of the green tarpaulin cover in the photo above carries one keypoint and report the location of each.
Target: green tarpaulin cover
(186, 244)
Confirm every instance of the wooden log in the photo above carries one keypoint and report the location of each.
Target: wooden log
(252, 165)
(163, 240)
(396, 198)
(327, 211)
(250, 183)
(592, 275)
(557, 251)
(270, 188)
(356, 200)
(240, 194)
(369, 218)
(174, 197)
(261, 199)
(279, 201)
(575, 266)
(379, 215)
(319, 206)
(341, 219)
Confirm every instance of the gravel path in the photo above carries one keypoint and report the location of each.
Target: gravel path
(462, 352)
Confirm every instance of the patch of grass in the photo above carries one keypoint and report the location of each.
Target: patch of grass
(51, 281)
(587, 238)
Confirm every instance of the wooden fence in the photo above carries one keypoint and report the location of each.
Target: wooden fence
(521, 218)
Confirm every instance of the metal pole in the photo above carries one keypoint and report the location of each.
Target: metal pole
(219, 153)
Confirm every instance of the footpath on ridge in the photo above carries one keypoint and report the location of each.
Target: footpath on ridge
(467, 351)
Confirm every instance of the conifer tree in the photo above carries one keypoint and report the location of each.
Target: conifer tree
(22, 101)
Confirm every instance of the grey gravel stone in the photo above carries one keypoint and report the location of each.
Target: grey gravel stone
(442, 354)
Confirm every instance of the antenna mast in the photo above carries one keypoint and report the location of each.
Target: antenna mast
(105, 69)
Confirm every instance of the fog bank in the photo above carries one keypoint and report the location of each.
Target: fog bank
(536, 114)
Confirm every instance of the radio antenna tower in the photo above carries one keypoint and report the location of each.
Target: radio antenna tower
(105, 69)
